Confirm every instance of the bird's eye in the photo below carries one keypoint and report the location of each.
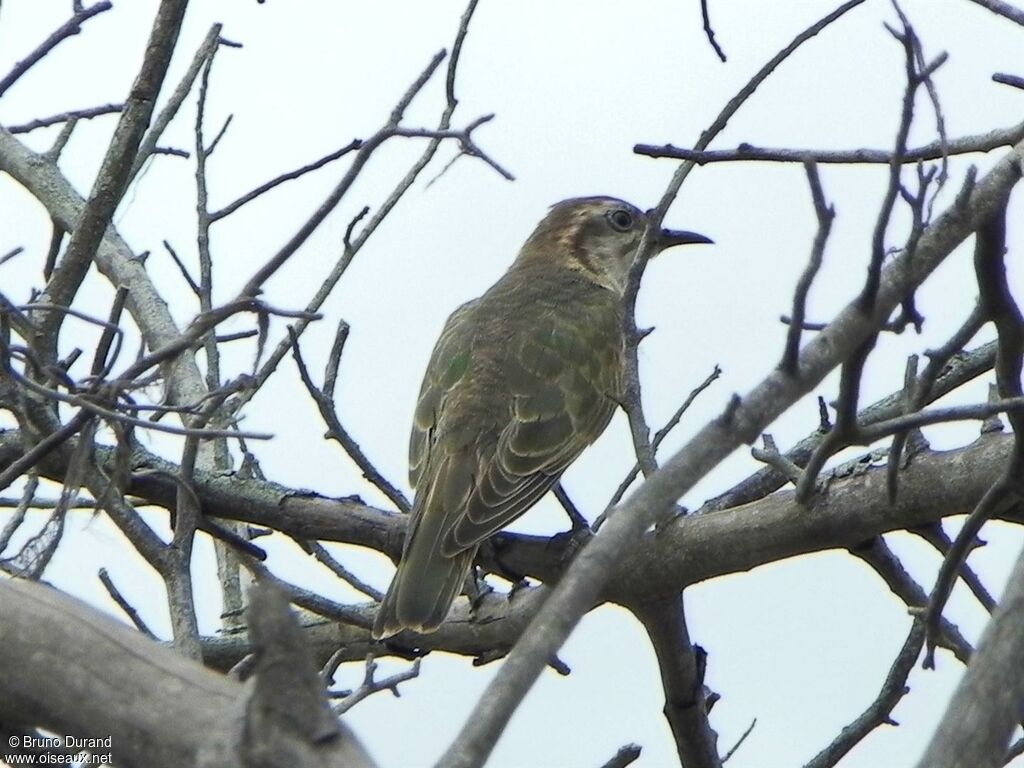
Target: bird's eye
(621, 219)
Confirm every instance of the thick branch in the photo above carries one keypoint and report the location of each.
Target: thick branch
(159, 709)
(687, 550)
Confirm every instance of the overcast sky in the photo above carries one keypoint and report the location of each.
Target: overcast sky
(801, 646)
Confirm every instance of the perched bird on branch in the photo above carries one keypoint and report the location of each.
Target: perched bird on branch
(520, 382)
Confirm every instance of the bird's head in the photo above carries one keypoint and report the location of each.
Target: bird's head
(598, 237)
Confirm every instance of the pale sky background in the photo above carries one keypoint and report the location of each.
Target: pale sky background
(802, 646)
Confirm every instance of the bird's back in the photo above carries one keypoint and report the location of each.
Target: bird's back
(544, 344)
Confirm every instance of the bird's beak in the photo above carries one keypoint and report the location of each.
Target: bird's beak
(668, 238)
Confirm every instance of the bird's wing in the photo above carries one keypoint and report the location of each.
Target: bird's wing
(448, 363)
(426, 582)
(561, 378)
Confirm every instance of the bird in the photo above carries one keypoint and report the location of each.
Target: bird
(521, 380)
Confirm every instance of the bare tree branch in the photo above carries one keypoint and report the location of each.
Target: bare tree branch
(706, 18)
(124, 605)
(682, 678)
(960, 369)
(985, 142)
(979, 721)
(1003, 9)
(625, 756)
(148, 147)
(63, 117)
(68, 29)
(825, 214)
(163, 710)
(885, 563)
(352, 247)
(879, 713)
(659, 436)
(372, 685)
(114, 174)
(999, 305)
(336, 431)
(316, 165)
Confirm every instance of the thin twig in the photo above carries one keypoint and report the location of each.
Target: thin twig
(334, 358)
(709, 32)
(880, 558)
(308, 599)
(103, 360)
(371, 685)
(63, 117)
(68, 29)
(182, 268)
(54, 152)
(745, 152)
(879, 712)
(1015, 81)
(659, 436)
(907, 39)
(248, 197)
(739, 742)
(770, 455)
(21, 507)
(825, 214)
(576, 518)
(916, 393)
(56, 239)
(867, 435)
(327, 285)
(938, 538)
(95, 409)
(626, 755)
(124, 605)
(11, 254)
(845, 428)
(336, 431)
(319, 551)
(148, 145)
(254, 283)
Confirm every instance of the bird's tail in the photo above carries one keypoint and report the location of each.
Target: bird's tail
(424, 588)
